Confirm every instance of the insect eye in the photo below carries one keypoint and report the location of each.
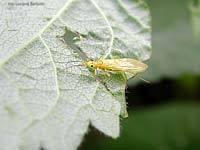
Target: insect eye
(91, 65)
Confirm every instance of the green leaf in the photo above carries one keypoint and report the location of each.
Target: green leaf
(169, 127)
(195, 18)
(175, 53)
(46, 103)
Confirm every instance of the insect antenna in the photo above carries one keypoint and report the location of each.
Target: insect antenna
(74, 61)
(73, 66)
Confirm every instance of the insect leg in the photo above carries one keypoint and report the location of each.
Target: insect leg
(100, 58)
(124, 76)
(107, 74)
(135, 75)
(144, 80)
(95, 74)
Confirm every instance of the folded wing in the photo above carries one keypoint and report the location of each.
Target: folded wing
(124, 65)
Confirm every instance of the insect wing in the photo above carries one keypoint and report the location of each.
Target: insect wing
(125, 65)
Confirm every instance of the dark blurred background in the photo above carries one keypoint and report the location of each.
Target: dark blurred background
(165, 114)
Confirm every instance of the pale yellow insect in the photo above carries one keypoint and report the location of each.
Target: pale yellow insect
(120, 65)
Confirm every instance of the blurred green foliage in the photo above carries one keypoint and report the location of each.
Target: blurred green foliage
(195, 18)
(175, 52)
(168, 127)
